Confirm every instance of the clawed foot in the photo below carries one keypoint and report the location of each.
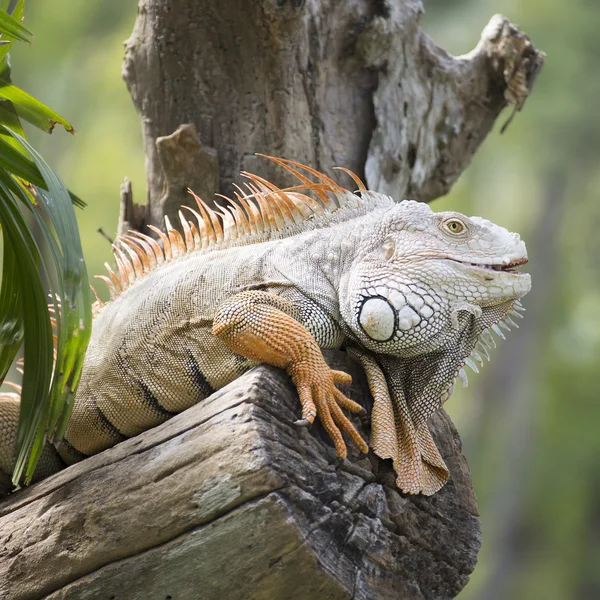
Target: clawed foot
(260, 326)
(319, 397)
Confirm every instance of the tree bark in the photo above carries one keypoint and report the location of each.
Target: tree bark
(230, 500)
(352, 83)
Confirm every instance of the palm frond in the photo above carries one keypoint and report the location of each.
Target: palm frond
(34, 199)
(11, 325)
(7, 39)
(48, 386)
(13, 28)
(38, 347)
(31, 109)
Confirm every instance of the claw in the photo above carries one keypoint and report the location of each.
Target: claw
(302, 423)
(364, 417)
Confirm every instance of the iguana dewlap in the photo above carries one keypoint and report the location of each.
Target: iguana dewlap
(276, 277)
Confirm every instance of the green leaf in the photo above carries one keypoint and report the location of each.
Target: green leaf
(11, 325)
(31, 109)
(16, 162)
(38, 351)
(9, 118)
(17, 10)
(19, 164)
(13, 28)
(53, 363)
(68, 278)
(76, 298)
(17, 13)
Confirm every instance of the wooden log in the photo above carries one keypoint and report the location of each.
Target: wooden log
(230, 500)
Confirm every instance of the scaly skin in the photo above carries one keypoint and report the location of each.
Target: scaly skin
(409, 292)
(264, 327)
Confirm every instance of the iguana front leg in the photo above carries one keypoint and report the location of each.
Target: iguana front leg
(394, 434)
(264, 327)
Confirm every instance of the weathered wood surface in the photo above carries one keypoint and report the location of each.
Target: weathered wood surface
(351, 83)
(230, 500)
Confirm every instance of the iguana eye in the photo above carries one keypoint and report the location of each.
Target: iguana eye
(388, 249)
(455, 226)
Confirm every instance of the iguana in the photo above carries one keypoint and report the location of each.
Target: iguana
(275, 277)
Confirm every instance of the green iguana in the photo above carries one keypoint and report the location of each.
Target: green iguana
(276, 277)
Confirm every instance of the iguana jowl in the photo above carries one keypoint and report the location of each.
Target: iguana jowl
(276, 277)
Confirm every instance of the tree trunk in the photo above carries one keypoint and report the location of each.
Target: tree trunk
(351, 83)
(227, 500)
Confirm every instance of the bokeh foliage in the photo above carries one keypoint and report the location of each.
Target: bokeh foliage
(530, 421)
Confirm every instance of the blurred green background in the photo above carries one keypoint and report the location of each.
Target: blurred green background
(530, 422)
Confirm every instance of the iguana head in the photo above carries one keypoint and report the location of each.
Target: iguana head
(427, 278)
(422, 294)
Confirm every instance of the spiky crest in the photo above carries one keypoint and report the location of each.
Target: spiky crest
(259, 213)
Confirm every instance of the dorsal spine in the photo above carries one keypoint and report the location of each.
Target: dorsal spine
(259, 213)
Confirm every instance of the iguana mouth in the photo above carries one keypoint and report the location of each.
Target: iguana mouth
(511, 267)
